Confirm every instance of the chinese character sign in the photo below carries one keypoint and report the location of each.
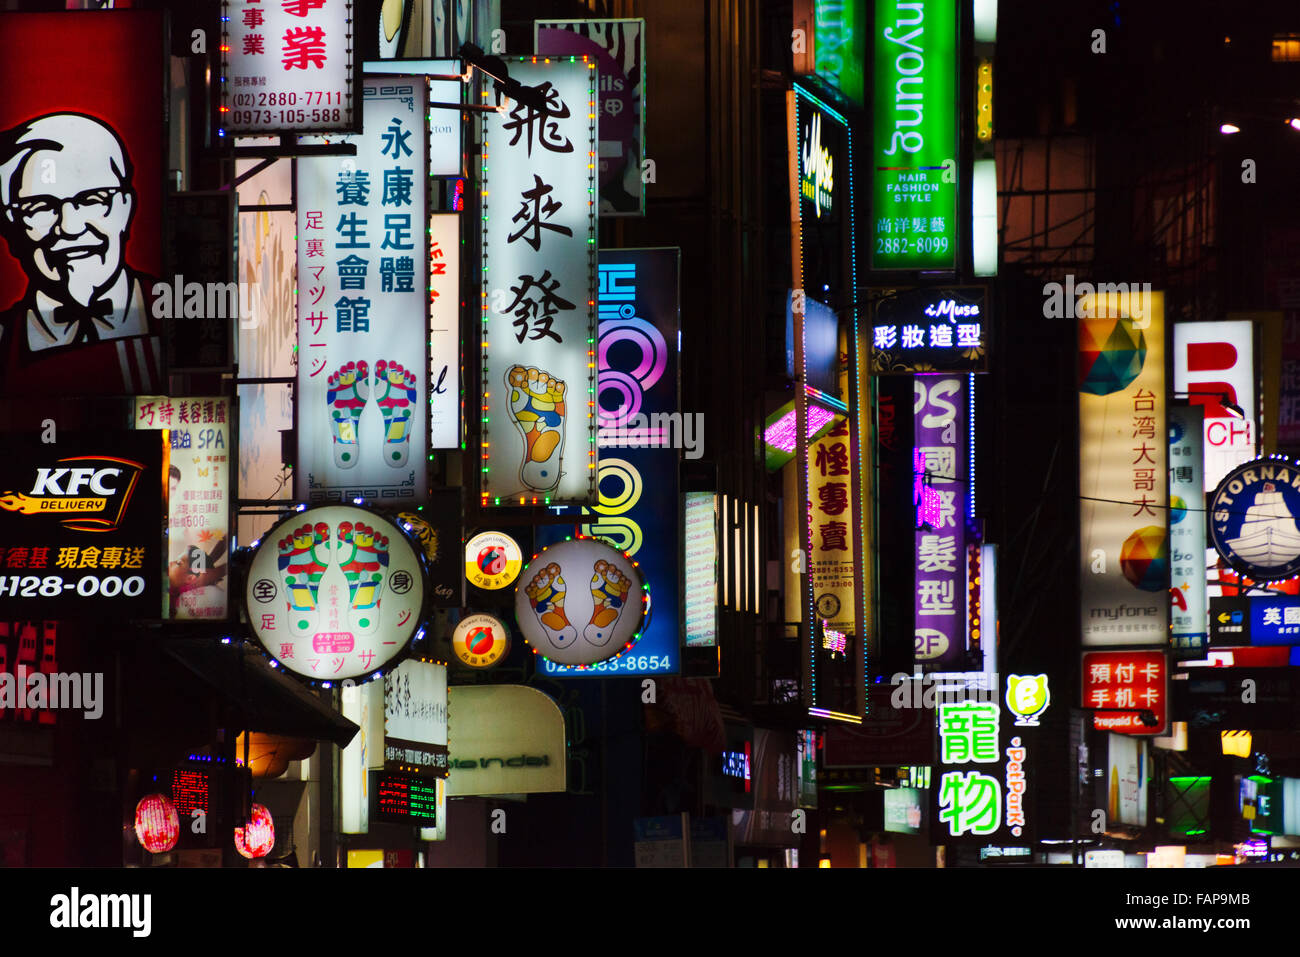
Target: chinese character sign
(1126, 679)
(362, 275)
(334, 592)
(618, 49)
(914, 153)
(287, 66)
(984, 777)
(942, 484)
(444, 331)
(1123, 483)
(415, 718)
(539, 290)
(1187, 585)
(832, 527)
(198, 503)
(931, 329)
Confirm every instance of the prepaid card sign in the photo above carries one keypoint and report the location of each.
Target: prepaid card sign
(539, 290)
(914, 153)
(362, 288)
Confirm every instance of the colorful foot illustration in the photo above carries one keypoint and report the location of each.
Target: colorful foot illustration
(346, 397)
(363, 559)
(537, 406)
(396, 403)
(609, 595)
(546, 594)
(304, 556)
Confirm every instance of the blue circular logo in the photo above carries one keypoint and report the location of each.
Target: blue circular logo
(1253, 519)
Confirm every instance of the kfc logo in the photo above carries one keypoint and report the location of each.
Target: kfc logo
(68, 201)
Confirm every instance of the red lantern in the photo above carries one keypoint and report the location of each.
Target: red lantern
(259, 837)
(157, 826)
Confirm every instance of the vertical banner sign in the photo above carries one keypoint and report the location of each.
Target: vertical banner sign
(539, 289)
(831, 514)
(914, 153)
(940, 485)
(362, 275)
(287, 66)
(839, 46)
(1123, 483)
(618, 49)
(81, 196)
(198, 500)
(1214, 363)
(701, 570)
(415, 719)
(444, 331)
(445, 127)
(639, 421)
(984, 774)
(1187, 586)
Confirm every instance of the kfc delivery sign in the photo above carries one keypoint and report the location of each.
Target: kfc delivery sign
(1213, 360)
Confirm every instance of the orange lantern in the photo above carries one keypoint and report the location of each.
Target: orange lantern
(157, 825)
(257, 839)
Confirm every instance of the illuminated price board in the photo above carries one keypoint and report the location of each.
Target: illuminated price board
(404, 799)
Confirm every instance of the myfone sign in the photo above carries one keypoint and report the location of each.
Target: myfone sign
(914, 152)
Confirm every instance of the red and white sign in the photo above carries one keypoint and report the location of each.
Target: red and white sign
(1219, 358)
(1126, 679)
(287, 66)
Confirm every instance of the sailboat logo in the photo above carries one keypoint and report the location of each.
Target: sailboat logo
(1254, 511)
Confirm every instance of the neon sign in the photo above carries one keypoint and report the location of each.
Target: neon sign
(817, 180)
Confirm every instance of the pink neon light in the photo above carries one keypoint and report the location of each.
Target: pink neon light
(780, 434)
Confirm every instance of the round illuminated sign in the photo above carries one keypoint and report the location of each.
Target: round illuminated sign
(157, 825)
(492, 560)
(480, 641)
(335, 592)
(1253, 519)
(257, 839)
(581, 602)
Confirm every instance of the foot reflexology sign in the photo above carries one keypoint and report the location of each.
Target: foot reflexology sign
(363, 276)
(335, 592)
(581, 602)
(539, 289)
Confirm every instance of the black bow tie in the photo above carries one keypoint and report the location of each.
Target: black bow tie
(84, 317)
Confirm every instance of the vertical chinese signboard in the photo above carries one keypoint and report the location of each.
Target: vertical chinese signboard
(198, 503)
(362, 274)
(618, 49)
(637, 402)
(444, 331)
(539, 290)
(941, 481)
(984, 776)
(831, 515)
(1126, 679)
(700, 571)
(1123, 484)
(287, 66)
(1187, 532)
(914, 153)
(415, 719)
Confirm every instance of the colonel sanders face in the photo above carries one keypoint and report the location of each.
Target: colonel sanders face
(65, 185)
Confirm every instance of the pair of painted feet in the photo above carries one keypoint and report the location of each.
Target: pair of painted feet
(347, 391)
(609, 588)
(537, 408)
(305, 555)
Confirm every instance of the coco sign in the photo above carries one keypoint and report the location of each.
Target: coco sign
(335, 592)
(581, 602)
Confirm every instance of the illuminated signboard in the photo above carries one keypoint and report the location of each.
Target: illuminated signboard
(824, 188)
(404, 799)
(914, 152)
(931, 329)
(539, 290)
(1027, 698)
(363, 423)
(1214, 363)
(941, 448)
(1253, 519)
(1123, 477)
(480, 641)
(507, 739)
(701, 543)
(80, 526)
(198, 503)
(618, 49)
(89, 111)
(415, 719)
(1126, 679)
(492, 560)
(839, 46)
(637, 406)
(335, 592)
(287, 67)
(984, 778)
(445, 155)
(581, 602)
(1187, 586)
(831, 517)
(1128, 767)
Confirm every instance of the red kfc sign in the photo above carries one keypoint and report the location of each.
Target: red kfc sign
(1115, 681)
